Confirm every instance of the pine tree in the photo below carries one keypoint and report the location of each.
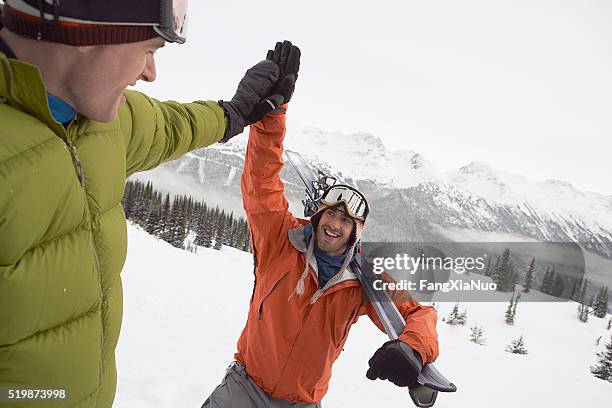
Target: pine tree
(609, 324)
(517, 346)
(601, 304)
(558, 286)
(455, 318)
(502, 271)
(583, 308)
(547, 282)
(514, 307)
(154, 219)
(603, 368)
(228, 227)
(477, 335)
(208, 230)
(489, 268)
(201, 227)
(220, 232)
(529, 276)
(181, 231)
(246, 244)
(509, 314)
(165, 214)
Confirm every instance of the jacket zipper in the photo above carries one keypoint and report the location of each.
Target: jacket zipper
(81, 177)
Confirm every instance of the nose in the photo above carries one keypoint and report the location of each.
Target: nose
(335, 223)
(148, 73)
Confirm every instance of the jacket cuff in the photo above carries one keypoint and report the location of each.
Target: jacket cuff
(427, 347)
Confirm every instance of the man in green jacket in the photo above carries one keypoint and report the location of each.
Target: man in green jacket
(70, 134)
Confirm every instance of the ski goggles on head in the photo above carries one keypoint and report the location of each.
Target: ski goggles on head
(173, 21)
(355, 203)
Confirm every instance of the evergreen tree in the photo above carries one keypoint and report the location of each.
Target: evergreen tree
(509, 314)
(517, 346)
(583, 313)
(547, 282)
(152, 225)
(601, 304)
(455, 318)
(208, 230)
(220, 232)
(514, 307)
(529, 276)
(488, 268)
(477, 335)
(201, 227)
(228, 228)
(502, 269)
(609, 324)
(558, 286)
(246, 244)
(603, 368)
(505, 275)
(181, 231)
(494, 268)
(165, 215)
(128, 199)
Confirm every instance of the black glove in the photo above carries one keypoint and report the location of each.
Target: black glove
(287, 57)
(264, 87)
(397, 362)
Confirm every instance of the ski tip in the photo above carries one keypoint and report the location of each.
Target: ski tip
(450, 387)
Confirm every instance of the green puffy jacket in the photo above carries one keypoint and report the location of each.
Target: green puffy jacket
(63, 236)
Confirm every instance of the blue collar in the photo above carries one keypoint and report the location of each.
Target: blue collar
(60, 110)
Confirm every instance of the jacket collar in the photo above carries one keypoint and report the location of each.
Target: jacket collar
(298, 240)
(22, 87)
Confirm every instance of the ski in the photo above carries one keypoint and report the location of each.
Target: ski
(430, 380)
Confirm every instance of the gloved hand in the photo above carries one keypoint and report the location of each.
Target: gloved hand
(264, 87)
(287, 57)
(397, 362)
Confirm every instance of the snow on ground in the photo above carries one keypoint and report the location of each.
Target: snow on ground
(183, 313)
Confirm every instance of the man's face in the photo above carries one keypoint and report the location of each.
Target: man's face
(105, 71)
(334, 231)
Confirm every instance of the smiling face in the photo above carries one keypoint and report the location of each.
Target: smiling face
(334, 230)
(103, 73)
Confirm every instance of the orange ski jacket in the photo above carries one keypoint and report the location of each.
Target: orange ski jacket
(288, 345)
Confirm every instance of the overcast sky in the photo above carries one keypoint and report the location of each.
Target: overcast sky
(523, 85)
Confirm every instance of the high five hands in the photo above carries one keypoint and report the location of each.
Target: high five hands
(264, 88)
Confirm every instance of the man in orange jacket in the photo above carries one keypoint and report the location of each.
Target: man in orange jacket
(305, 299)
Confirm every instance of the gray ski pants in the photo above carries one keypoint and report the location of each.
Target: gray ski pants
(238, 390)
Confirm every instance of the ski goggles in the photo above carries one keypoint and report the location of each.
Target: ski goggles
(173, 21)
(168, 18)
(355, 203)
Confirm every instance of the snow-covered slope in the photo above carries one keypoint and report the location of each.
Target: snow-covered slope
(183, 313)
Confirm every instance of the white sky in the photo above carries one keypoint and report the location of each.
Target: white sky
(523, 85)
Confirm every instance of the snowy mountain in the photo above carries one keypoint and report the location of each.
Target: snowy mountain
(411, 200)
(183, 313)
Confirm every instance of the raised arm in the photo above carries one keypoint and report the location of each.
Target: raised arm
(263, 193)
